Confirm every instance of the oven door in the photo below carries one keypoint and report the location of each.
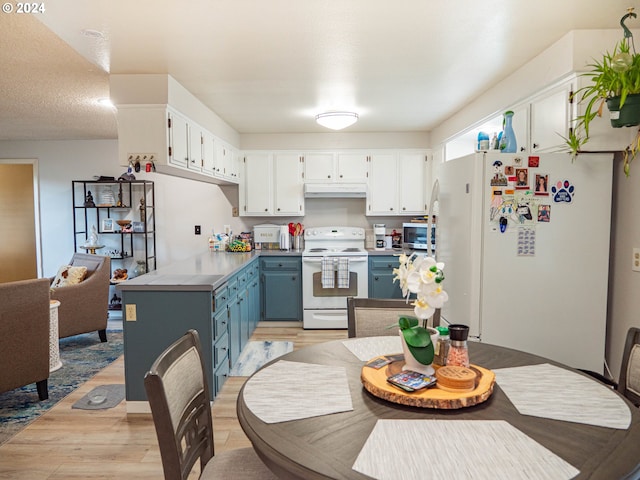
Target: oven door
(314, 295)
(327, 307)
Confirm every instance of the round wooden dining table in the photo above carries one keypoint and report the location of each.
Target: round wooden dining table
(326, 446)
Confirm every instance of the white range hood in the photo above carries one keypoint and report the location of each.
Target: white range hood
(335, 190)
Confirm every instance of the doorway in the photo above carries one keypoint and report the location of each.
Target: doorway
(19, 243)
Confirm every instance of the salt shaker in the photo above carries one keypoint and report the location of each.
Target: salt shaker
(441, 347)
(458, 351)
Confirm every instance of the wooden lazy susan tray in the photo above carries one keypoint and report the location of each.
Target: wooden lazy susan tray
(375, 382)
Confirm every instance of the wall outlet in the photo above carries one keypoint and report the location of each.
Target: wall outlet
(197, 230)
(635, 266)
(130, 312)
(234, 211)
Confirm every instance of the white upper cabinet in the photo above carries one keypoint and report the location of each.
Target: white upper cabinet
(208, 153)
(319, 167)
(195, 147)
(382, 195)
(257, 192)
(335, 167)
(288, 186)
(272, 185)
(550, 118)
(352, 167)
(413, 183)
(178, 133)
(397, 184)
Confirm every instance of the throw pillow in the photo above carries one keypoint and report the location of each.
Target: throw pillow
(68, 275)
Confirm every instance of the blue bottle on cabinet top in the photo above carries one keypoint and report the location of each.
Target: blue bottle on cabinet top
(508, 142)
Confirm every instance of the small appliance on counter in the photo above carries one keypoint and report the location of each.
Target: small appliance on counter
(379, 231)
(267, 237)
(285, 238)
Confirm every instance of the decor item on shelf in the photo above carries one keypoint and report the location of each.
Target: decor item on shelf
(123, 223)
(143, 210)
(615, 79)
(337, 120)
(119, 203)
(140, 269)
(88, 200)
(422, 276)
(508, 143)
(92, 243)
(119, 275)
(106, 197)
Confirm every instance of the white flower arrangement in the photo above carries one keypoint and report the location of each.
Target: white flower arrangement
(422, 276)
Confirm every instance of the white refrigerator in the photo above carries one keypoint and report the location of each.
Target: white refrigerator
(526, 263)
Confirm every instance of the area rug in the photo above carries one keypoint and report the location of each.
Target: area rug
(82, 357)
(256, 354)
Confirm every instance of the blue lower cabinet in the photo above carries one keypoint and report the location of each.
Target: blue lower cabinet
(161, 318)
(381, 284)
(281, 288)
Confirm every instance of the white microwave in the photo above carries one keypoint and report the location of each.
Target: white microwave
(415, 236)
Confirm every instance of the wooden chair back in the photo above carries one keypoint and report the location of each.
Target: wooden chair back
(629, 383)
(371, 317)
(178, 394)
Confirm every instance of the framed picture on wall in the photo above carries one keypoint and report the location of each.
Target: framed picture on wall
(108, 225)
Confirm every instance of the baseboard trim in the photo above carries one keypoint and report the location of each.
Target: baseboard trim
(138, 407)
(292, 324)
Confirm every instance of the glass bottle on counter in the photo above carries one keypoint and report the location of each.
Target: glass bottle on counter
(458, 350)
(441, 347)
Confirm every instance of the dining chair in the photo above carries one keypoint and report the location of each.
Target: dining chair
(178, 393)
(629, 381)
(371, 317)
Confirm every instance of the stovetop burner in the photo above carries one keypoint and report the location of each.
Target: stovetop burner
(352, 249)
(317, 250)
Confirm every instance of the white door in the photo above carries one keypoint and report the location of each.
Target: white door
(179, 140)
(288, 186)
(352, 167)
(319, 167)
(257, 185)
(413, 186)
(208, 153)
(382, 197)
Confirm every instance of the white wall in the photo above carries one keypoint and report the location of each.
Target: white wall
(624, 284)
(181, 204)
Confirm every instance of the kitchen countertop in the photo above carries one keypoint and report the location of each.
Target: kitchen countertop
(207, 271)
(202, 272)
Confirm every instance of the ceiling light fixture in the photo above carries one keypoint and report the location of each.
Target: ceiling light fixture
(336, 120)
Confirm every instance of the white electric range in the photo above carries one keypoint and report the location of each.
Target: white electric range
(334, 267)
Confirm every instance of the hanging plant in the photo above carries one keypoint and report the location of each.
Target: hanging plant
(615, 80)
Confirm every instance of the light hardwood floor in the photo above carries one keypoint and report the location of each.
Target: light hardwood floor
(68, 443)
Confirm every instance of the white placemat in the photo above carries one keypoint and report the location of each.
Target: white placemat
(291, 390)
(457, 450)
(552, 392)
(367, 348)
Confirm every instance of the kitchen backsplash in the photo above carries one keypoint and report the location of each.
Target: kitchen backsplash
(334, 211)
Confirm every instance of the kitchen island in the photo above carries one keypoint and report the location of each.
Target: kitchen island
(218, 294)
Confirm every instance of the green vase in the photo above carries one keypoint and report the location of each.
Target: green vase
(629, 115)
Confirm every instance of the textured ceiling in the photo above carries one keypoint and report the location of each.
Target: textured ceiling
(47, 89)
(268, 67)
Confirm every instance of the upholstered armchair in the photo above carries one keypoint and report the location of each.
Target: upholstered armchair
(24, 335)
(84, 306)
